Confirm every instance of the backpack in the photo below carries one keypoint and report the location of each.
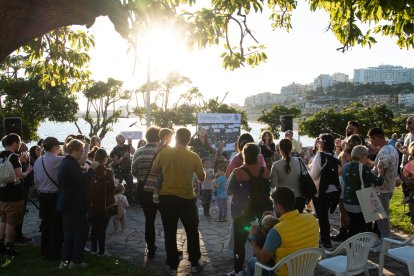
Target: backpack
(7, 174)
(259, 193)
(329, 173)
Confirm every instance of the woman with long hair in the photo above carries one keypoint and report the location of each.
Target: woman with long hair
(237, 160)
(247, 203)
(287, 171)
(324, 171)
(267, 148)
(102, 196)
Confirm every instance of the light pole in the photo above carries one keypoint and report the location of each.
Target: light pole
(148, 99)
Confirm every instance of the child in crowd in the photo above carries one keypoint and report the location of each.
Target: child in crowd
(266, 223)
(165, 136)
(220, 186)
(91, 158)
(122, 201)
(207, 186)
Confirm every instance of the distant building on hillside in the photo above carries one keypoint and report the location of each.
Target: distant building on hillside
(406, 99)
(264, 98)
(295, 89)
(325, 80)
(339, 77)
(387, 74)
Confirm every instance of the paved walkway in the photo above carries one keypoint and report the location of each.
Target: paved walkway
(130, 245)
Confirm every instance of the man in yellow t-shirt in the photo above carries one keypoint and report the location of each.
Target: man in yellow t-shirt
(177, 198)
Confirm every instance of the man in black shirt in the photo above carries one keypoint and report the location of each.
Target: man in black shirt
(121, 164)
(11, 195)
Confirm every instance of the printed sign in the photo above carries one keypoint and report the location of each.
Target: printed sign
(134, 135)
(220, 127)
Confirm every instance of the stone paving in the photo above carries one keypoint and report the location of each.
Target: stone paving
(130, 244)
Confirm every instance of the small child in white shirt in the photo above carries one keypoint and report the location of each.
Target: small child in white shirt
(122, 201)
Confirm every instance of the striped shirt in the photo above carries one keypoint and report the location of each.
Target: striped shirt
(141, 163)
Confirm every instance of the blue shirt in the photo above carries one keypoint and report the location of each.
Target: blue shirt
(273, 241)
(221, 189)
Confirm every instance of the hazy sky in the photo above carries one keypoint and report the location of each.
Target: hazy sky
(298, 56)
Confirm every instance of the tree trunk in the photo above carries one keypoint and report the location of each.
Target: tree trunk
(23, 20)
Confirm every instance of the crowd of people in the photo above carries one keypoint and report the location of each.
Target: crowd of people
(80, 187)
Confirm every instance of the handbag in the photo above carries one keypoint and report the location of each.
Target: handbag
(369, 201)
(111, 210)
(307, 186)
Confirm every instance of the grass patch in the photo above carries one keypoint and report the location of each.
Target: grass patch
(30, 262)
(398, 217)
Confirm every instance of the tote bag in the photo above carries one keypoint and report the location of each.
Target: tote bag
(307, 185)
(369, 201)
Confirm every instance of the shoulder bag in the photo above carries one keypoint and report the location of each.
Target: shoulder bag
(369, 201)
(51, 179)
(307, 186)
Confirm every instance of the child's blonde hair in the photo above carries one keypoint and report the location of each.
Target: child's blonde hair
(222, 166)
(268, 222)
(120, 189)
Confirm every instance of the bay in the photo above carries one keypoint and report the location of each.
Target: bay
(61, 130)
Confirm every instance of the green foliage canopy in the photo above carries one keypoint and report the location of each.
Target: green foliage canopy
(334, 121)
(100, 111)
(207, 23)
(272, 117)
(24, 98)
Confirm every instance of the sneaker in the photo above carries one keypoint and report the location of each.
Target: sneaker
(197, 268)
(340, 237)
(6, 261)
(171, 271)
(151, 253)
(86, 249)
(233, 273)
(74, 266)
(326, 246)
(405, 200)
(106, 253)
(63, 265)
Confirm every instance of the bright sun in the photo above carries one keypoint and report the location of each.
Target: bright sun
(166, 49)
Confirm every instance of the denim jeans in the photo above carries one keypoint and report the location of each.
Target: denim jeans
(98, 233)
(172, 209)
(384, 224)
(251, 266)
(322, 206)
(51, 227)
(222, 206)
(75, 232)
(150, 213)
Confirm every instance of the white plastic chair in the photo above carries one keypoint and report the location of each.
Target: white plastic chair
(356, 259)
(404, 253)
(300, 263)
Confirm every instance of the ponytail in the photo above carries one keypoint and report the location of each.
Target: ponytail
(287, 166)
(285, 145)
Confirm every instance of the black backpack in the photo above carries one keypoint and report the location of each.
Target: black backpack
(329, 173)
(259, 193)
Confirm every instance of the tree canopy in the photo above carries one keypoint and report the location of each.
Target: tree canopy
(272, 117)
(335, 121)
(101, 113)
(23, 97)
(207, 22)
